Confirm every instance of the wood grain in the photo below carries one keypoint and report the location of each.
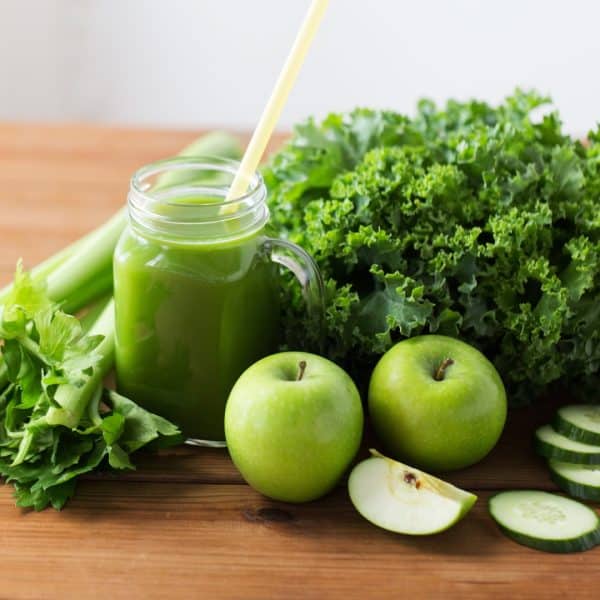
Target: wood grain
(212, 541)
(184, 525)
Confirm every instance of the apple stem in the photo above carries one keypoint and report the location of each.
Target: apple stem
(301, 369)
(439, 374)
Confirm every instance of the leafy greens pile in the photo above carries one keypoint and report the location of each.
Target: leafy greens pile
(470, 220)
(56, 421)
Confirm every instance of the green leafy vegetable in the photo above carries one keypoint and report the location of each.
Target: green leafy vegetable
(469, 220)
(56, 422)
(77, 275)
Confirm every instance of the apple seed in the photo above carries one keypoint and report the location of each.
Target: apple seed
(411, 479)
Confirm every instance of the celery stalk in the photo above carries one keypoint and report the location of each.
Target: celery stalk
(74, 400)
(87, 274)
(93, 312)
(56, 260)
(48, 265)
(3, 374)
(80, 273)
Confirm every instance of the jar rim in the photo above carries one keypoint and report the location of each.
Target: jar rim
(205, 162)
(193, 221)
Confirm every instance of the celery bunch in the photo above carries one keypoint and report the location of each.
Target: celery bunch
(56, 421)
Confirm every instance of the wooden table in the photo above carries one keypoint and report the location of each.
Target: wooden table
(184, 525)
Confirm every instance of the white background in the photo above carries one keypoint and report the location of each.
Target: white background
(194, 63)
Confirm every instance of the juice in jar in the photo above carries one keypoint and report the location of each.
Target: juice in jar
(196, 291)
(189, 321)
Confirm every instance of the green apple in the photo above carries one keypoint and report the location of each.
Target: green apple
(437, 402)
(293, 423)
(403, 499)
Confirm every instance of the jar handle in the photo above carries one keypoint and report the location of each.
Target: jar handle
(305, 270)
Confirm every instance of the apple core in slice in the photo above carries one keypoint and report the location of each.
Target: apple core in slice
(402, 499)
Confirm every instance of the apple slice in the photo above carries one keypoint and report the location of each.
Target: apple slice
(399, 498)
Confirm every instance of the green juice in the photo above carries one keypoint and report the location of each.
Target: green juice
(190, 318)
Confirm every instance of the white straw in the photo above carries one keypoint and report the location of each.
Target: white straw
(281, 91)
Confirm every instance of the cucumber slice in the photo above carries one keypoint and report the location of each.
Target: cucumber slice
(581, 481)
(402, 499)
(579, 422)
(551, 444)
(545, 521)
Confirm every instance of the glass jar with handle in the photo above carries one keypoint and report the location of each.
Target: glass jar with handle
(196, 290)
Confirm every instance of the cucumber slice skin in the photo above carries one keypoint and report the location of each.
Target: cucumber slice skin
(574, 488)
(584, 542)
(577, 490)
(548, 450)
(580, 544)
(574, 432)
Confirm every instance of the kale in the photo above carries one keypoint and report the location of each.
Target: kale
(472, 221)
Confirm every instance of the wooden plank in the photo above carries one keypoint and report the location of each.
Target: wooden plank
(213, 541)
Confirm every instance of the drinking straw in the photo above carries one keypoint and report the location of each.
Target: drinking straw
(287, 77)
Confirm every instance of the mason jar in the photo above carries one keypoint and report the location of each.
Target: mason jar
(196, 290)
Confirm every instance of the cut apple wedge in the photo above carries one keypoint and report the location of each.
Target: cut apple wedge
(402, 499)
